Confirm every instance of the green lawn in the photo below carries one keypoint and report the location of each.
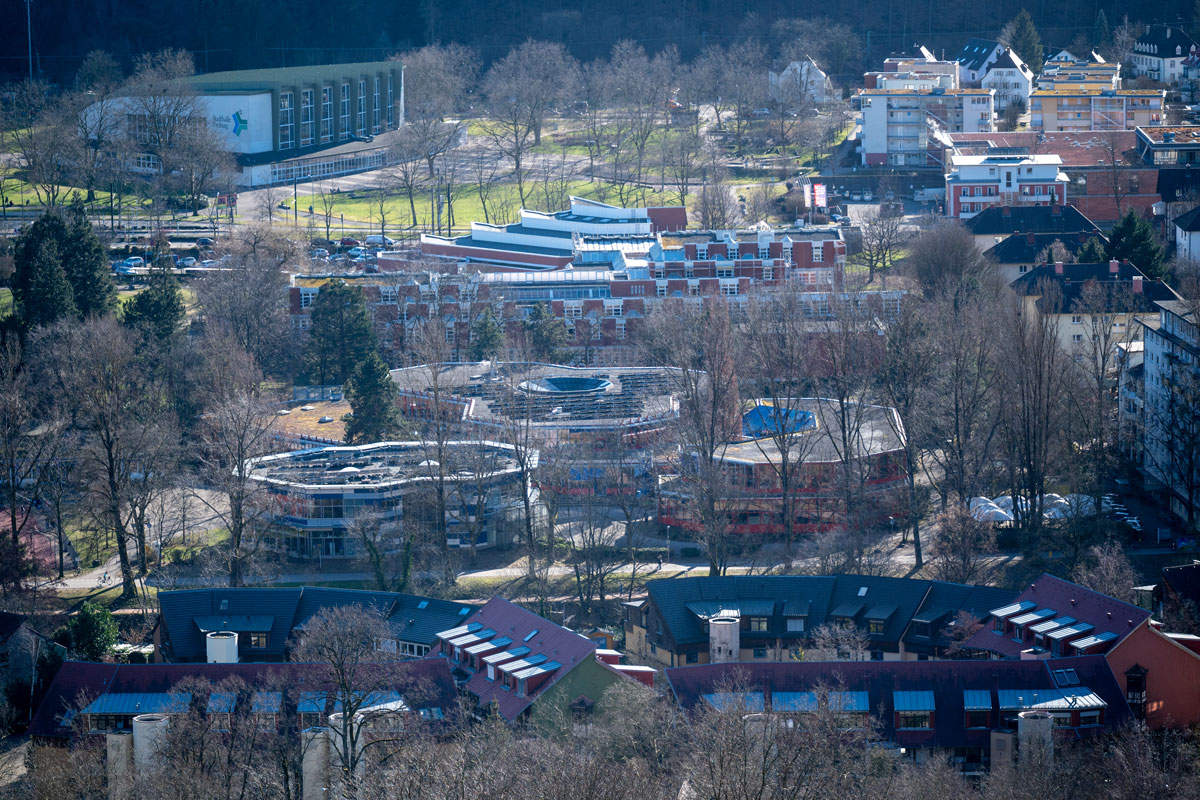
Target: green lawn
(6, 303)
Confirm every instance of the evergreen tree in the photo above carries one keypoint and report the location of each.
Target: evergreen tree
(341, 335)
(1132, 239)
(372, 395)
(1102, 34)
(487, 337)
(1021, 35)
(87, 268)
(41, 292)
(90, 634)
(1092, 252)
(157, 309)
(545, 333)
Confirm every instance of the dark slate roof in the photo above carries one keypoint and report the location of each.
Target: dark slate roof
(818, 598)
(1023, 248)
(1184, 580)
(291, 608)
(1165, 39)
(1009, 60)
(1105, 614)
(946, 680)
(1006, 220)
(975, 52)
(86, 680)
(9, 624)
(1076, 277)
(940, 610)
(554, 642)
(1189, 220)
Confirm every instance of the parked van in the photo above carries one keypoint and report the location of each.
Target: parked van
(381, 241)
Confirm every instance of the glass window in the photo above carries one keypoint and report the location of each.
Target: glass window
(913, 719)
(306, 118)
(760, 652)
(795, 624)
(376, 108)
(344, 120)
(875, 627)
(692, 658)
(287, 122)
(326, 114)
(391, 103)
(362, 107)
(977, 719)
(258, 640)
(758, 623)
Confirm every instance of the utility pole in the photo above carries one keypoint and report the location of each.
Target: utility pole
(29, 35)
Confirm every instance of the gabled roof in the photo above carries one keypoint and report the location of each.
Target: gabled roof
(1076, 277)
(539, 641)
(10, 624)
(1024, 248)
(1006, 220)
(1164, 40)
(1091, 614)
(1010, 60)
(684, 604)
(188, 614)
(136, 688)
(949, 686)
(1189, 220)
(975, 53)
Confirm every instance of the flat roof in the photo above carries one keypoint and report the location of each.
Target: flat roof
(1184, 134)
(879, 431)
(373, 465)
(1039, 159)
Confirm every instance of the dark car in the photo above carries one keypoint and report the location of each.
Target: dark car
(204, 241)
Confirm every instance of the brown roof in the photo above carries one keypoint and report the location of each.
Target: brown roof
(1075, 148)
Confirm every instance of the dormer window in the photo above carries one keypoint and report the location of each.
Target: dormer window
(758, 624)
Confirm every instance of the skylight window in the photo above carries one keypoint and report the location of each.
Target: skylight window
(862, 592)
(424, 604)
(464, 611)
(532, 634)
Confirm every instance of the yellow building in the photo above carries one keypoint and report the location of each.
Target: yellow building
(1087, 110)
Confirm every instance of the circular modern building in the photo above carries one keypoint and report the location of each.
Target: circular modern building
(312, 496)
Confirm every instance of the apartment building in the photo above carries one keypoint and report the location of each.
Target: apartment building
(1011, 79)
(1104, 110)
(1078, 75)
(1160, 51)
(976, 183)
(898, 125)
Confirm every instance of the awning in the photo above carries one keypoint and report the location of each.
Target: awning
(239, 623)
(471, 638)
(311, 703)
(855, 702)
(735, 701)
(882, 612)
(913, 701)
(1091, 641)
(1012, 610)
(794, 701)
(1033, 616)
(139, 703)
(1078, 697)
(1051, 624)
(977, 700)
(522, 663)
(1078, 629)
(507, 655)
(266, 702)
(483, 647)
(221, 702)
(539, 669)
(461, 630)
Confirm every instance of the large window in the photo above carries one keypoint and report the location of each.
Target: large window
(307, 132)
(391, 103)
(344, 120)
(287, 121)
(362, 107)
(758, 623)
(376, 108)
(913, 719)
(326, 114)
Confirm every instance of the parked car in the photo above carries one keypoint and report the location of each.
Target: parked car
(187, 261)
(204, 241)
(349, 242)
(355, 252)
(856, 197)
(134, 261)
(319, 252)
(867, 196)
(324, 420)
(762, 112)
(380, 241)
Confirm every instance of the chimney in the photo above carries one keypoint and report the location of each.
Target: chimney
(1137, 284)
(1114, 267)
(1058, 268)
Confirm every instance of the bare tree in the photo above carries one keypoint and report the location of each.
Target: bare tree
(960, 547)
(42, 132)
(387, 552)
(841, 641)
(883, 238)
(682, 160)
(945, 260)
(1107, 570)
(437, 79)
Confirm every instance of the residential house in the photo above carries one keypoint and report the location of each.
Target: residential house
(1082, 296)
(1159, 53)
(1020, 252)
(800, 82)
(975, 58)
(1011, 79)
(1001, 178)
(899, 125)
(1187, 235)
(525, 668)
(1087, 109)
(1053, 618)
(265, 619)
(773, 618)
(996, 223)
(961, 712)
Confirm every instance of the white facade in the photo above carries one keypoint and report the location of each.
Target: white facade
(801, 80)
(1187, 244)
(896, 123)
(1159, 53)
(978, 182)
(1012, 81)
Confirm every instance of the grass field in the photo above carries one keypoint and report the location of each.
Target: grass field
(6, 303)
